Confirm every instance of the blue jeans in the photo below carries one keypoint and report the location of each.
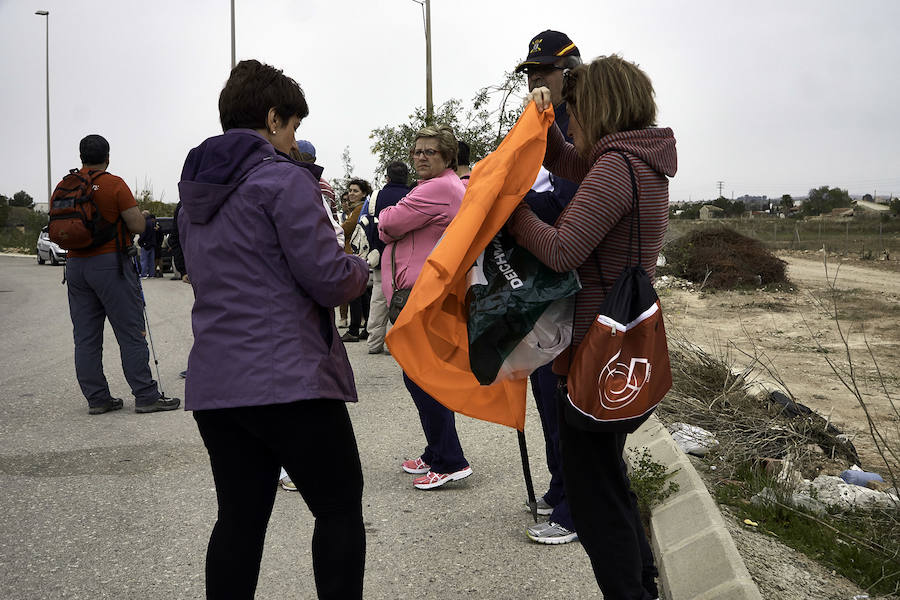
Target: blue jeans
(97, 291)
(443, 451)
(148, 261)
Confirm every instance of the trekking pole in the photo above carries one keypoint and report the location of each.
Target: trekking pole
(147, 322)
(526, 469)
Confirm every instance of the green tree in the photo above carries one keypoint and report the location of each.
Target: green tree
(895, 206)
(690, 211)
(736, 208)
(825, 199)
(340, 184)
(483, 124)
(22, 198)
(146, 201)
(4, 210)
(787, 203)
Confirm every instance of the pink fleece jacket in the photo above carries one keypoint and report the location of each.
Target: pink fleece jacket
(415, 224)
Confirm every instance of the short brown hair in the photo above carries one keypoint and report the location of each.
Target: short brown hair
(609, 95)
(252, 89)
(448, 146)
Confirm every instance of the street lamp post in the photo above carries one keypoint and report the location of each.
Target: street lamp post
(46, 14)
(232, 34)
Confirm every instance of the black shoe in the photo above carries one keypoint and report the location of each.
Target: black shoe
(349, 337)
(363, 334)
(110, 405)
(183, 374)
(162, 403)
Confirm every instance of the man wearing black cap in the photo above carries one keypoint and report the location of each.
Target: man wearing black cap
(550, 53)
(101, 286)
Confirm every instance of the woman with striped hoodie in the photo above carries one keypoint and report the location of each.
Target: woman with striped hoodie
(613, 113)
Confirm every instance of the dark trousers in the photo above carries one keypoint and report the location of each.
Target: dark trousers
(314, 441)
(443, 451)
(605, 513)
(543, 384)
(359, 310)
(97, 291)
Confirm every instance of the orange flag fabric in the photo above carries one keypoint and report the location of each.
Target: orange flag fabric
(430, 339)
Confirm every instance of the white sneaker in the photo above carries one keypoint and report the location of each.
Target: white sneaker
(550, 533)
(287, 484)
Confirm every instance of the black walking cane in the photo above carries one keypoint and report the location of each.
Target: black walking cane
(526, 470)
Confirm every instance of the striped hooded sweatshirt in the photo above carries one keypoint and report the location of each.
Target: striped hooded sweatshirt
(592, 233)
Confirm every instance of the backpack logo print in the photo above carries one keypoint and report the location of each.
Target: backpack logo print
(620, 384)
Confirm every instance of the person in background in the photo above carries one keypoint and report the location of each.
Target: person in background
(175, 247)
(267, 274)
(304, 151)
(612, 114)
(397, 174)
(343, 215)
(462, 169)
(358, 192)
(414, 226)
(147, 242)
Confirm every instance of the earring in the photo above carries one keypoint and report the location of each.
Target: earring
(274, 132)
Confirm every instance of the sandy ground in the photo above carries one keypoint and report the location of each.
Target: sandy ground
(793, 334)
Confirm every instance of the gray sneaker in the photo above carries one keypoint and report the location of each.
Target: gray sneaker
(550, 533)
(543, 508)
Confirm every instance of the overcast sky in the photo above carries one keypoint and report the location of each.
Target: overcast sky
(770, 97)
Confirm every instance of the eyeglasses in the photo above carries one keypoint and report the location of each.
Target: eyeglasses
(538, 69)
(428, 152)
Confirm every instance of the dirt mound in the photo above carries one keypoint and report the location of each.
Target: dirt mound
(722, 258)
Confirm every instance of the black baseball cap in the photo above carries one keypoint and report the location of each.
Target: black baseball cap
(546, 47)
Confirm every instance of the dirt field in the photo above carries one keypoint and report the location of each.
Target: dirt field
(794, 332)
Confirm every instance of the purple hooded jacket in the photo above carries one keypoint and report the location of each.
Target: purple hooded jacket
(266, 275)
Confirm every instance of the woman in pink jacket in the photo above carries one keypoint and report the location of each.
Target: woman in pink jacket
(411, 229)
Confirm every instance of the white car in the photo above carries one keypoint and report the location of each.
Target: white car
(47, 250)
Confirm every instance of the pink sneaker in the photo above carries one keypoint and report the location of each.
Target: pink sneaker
(433, 480)
(415, 466)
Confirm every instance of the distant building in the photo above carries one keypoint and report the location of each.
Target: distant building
(841, 212)
(867, 205)
(709, 212)
(41, 207)
(754, 202)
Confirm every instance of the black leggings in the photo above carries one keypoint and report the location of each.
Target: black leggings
(313, 440)
(605, 512)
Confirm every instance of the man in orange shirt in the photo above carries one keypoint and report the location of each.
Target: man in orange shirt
(102, 283)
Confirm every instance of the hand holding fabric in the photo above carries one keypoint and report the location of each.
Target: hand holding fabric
(541, 97)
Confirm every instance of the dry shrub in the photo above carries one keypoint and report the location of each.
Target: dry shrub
(722, 258)
(707, 391)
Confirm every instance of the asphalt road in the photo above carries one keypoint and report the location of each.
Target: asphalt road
(121, 505)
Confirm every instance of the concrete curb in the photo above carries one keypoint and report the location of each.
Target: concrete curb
(696, 557)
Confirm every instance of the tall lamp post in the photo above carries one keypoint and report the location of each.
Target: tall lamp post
(426, 17)
(232, 34)
(46, 14)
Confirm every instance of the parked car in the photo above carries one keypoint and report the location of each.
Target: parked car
(47, 250)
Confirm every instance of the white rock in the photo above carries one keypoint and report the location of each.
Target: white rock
(692, 439)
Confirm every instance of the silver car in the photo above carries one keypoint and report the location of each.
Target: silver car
(47, 250)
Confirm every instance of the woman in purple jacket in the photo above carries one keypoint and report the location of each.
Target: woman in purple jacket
(269, 377)
(411, 229)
